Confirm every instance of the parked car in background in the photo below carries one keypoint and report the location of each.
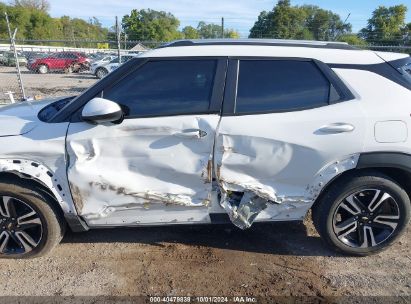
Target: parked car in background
(106, 57)
(100, 61)
(103, 69)
(31, 56)
(67, 62)
(97, 56)
(8, 59)
(2, 56)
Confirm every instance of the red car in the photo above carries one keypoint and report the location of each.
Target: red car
(62, 61)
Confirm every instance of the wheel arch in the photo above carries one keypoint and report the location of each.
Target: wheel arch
(394, 165)
(101, 68)
(43, 63)
(34, 174)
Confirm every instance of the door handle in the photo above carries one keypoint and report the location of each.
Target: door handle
(336, 128)
(191, 133)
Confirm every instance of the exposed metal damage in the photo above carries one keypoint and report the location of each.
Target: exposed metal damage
(163, 170)
(33, 170)
(244, 199)
(144, 164)
(140, 200)
(243, 207)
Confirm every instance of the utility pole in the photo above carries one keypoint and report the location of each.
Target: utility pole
(118, 40)
(222, 27)
(346, 19)
(344, 23)
(72, 37)
(13, 45)
(125, 41)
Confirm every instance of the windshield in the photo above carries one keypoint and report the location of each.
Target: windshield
(52, 109)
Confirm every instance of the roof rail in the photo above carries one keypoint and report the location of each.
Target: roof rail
(262, 42)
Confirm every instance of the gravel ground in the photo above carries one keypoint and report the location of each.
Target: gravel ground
(286, 259)
(47, 85)
(281, 259)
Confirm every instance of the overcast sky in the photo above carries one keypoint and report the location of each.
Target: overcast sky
(238, 14)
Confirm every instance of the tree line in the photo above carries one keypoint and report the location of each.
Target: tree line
(34, 23)
(386, 26)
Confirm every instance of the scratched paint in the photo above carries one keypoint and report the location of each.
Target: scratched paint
(31, 149)
(164, 161)
(278, 172)
(158, 170)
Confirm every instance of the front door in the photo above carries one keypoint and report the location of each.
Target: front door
(155, 166)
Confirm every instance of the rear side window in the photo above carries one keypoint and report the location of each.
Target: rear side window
(280, 85)
(166, 87)
(405, 69)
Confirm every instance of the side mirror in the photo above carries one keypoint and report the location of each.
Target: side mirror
(100, 110)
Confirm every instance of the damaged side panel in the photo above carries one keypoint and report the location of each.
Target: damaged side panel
(276, 170)
(40, 155)
(127, 173)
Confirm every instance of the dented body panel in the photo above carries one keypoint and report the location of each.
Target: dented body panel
(38, 153)
(141, 164)
(186, 168)
(283, 163)
(154, 170)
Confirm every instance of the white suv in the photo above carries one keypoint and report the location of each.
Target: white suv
(102, 68)
(215, 131)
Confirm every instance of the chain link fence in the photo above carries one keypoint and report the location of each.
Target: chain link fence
(51, 68)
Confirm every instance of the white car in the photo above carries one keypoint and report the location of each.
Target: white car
(100, 61)
(101, 70)
(197, 132)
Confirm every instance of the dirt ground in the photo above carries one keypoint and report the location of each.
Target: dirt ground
(282, 259)
(47, 85)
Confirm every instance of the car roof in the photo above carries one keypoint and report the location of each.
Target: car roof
(262, 42)
(325, 51)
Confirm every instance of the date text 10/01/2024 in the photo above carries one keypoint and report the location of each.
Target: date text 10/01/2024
(203, 299)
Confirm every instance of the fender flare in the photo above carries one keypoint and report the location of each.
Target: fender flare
(396, 160)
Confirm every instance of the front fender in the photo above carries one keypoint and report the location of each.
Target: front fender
(57, 186)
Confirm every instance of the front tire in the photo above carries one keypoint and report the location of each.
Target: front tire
(362, 214)
(101, 73)
(30, 224)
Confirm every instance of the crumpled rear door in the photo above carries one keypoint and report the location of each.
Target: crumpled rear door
(272, 165)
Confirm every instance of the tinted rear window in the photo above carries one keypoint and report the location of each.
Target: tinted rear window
(406, 70)
(280, 85)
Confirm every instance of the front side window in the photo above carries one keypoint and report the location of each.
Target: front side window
(166, 87)
(280, 85)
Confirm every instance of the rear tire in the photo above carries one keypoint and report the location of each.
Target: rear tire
(362, 214)
(68, 70)
(31, 224)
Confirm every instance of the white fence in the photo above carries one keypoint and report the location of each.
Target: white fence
(50, 49)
